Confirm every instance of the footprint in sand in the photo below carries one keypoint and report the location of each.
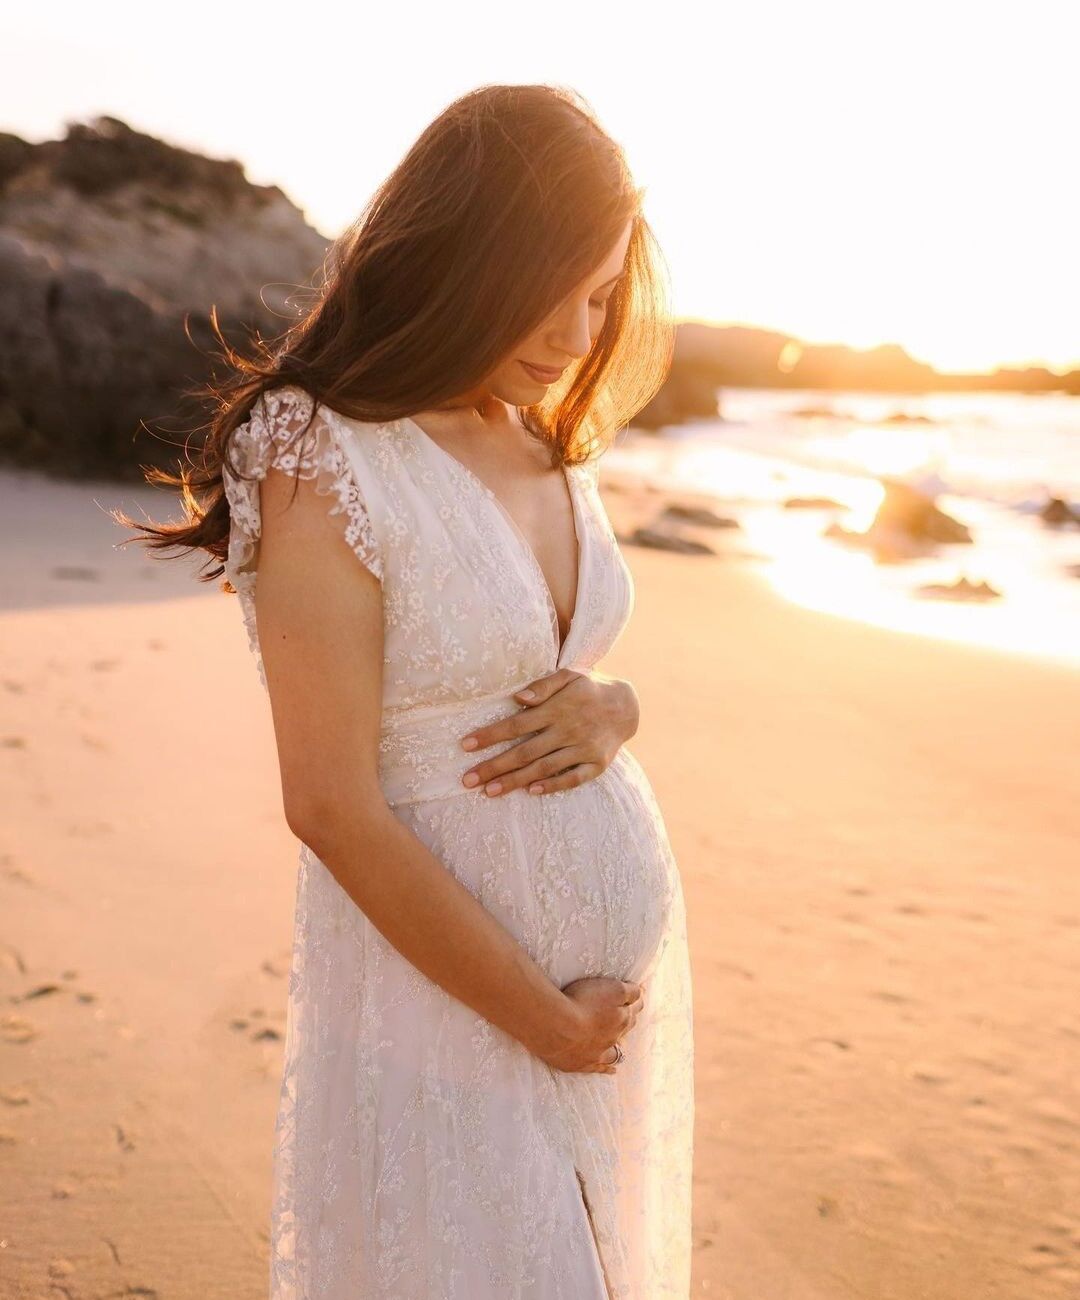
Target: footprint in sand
(38, 991)
(87, 829)
(830, 1044)
(261, 1032)
(986, 1117)
(11, 872)
(74, 572)
(17, 1029)
(881, 1163)
(12, 959)
(929, 1074)
(1043, 1257)
(1000, 1068)
(1053, 1112)
(889, 995)
(1062, 1225)
(81, 995)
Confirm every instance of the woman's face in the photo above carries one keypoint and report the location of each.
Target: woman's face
(565, 337)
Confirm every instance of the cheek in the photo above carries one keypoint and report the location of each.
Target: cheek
(510, 368)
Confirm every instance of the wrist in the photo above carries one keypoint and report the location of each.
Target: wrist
(631, 707)
(558, 1027)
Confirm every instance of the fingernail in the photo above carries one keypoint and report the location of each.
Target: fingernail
(494, 787)
(536, 789)
(469, 742)
(527, 695)
(471, 778)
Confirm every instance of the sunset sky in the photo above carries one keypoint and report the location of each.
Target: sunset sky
(857, 173)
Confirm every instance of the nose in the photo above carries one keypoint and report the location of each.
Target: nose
(569, 332)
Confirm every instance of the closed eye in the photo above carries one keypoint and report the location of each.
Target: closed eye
(602, 302)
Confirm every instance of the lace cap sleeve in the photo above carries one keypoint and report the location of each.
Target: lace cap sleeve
(590, 471)
(281, 433)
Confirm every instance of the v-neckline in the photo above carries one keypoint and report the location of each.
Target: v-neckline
(523, 541)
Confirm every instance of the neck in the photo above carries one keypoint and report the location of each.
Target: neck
(489, 411)
(478, 401)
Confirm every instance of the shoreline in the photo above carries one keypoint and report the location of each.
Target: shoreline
(1037, 620)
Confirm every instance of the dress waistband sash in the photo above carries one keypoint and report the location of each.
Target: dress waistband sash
(420, 754)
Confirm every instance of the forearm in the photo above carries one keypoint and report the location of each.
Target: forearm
(437, 925)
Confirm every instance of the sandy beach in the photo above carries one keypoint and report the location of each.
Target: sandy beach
(878, 838)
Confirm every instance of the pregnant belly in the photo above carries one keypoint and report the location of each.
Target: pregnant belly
(583, 878)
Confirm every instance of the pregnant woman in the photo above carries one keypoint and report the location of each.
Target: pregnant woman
(487, 1089)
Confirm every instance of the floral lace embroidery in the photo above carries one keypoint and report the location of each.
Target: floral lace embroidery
(268, 439)
(419, 1150)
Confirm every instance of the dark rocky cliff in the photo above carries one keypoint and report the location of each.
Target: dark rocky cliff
(109, 240)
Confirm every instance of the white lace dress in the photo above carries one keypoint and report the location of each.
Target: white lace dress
(421, 1153)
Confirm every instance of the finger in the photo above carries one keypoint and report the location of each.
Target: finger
(552, 762)
(546, 763)
(543, 688)
(517, 724)
(567, 780)
(510, 760)
(570, 719)
(598, 1068)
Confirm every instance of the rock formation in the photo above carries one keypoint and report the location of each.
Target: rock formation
(110, 242)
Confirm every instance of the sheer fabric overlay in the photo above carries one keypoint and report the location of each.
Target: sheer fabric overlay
(420, 1152)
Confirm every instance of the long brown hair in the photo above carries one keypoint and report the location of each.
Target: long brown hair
(503, 205)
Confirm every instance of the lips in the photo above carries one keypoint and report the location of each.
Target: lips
(545, 373)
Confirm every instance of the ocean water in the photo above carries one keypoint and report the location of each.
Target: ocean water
(990, 460)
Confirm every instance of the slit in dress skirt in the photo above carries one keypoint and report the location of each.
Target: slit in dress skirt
(592, 1229)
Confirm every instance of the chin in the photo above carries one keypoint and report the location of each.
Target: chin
(517, 392)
